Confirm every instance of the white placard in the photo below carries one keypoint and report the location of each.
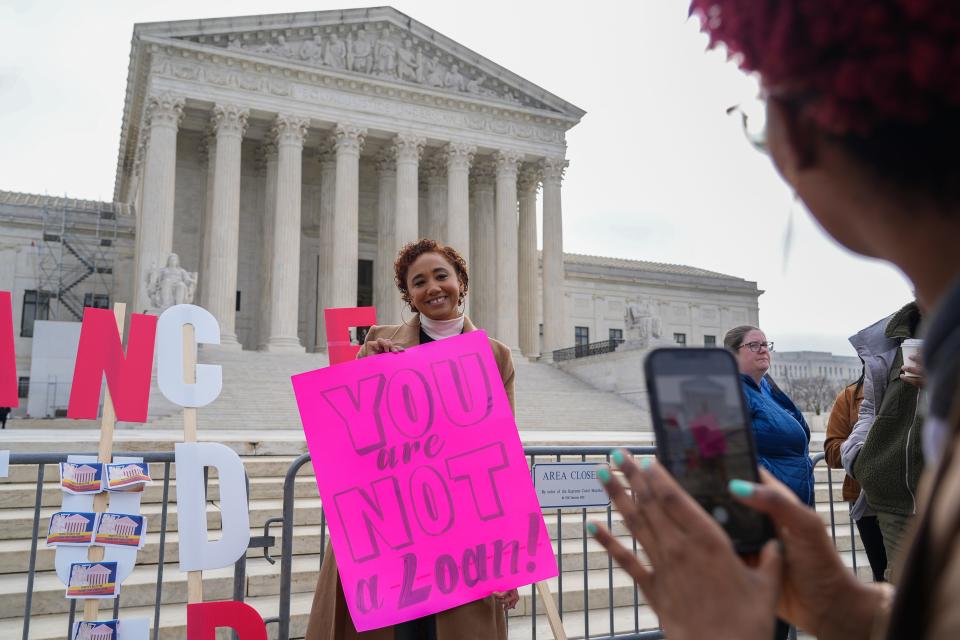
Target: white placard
(4, 464)
(170, 356)
(197, 553)
(568, 485)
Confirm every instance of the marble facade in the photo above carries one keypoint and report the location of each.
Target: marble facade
(287, 158)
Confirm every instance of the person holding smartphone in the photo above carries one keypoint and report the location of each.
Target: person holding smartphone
(863, 122)
(779, 430)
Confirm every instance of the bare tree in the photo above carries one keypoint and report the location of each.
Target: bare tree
(814, 393)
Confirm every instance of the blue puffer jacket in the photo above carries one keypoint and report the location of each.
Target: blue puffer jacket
(782, 436)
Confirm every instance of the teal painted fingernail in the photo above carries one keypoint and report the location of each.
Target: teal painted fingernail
(604, 474)
(617, 456)
(591, 528)
(741, 488)
(645, 463)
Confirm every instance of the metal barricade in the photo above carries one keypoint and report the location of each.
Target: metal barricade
(40, 460)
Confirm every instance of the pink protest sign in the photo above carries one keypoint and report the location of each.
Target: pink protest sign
(423, 478)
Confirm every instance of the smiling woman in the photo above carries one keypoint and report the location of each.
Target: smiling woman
(432, 279)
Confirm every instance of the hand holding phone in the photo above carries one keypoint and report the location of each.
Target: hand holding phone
(704, 437)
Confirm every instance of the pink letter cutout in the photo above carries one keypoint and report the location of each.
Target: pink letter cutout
(8, 359)
(203, 619)
(101, 353)
(338, 323)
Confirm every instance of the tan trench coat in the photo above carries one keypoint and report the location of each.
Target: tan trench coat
(479, 620)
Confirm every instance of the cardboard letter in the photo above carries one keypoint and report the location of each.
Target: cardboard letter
(338, 322)
(170, 356)
(197, 553)
(204, 618)
(8, 359)
(101, 353)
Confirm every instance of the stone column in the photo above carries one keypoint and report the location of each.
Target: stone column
(328, 189)
(288, 133)
(220, 282)
(386, 298)
(435, 169)
(208, 150)
(408, 148)
(554, 321)
(482, 267)
(456, 228)
(267, 162)
(348, 140)
(527, 185)
(155, 236)
(508, 318)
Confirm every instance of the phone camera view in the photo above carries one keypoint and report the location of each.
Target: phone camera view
(706, 444)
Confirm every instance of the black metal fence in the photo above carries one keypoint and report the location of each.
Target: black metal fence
(611, 629)
(166, 458)
(583, 350)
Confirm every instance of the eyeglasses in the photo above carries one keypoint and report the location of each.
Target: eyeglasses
(756, 346)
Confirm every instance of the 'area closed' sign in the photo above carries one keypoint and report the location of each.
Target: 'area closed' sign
(568, 485)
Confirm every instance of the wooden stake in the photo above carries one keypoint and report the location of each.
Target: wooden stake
(194, 578)
(553, 615)
(108, 420)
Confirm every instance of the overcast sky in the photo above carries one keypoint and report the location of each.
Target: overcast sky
(658, 171)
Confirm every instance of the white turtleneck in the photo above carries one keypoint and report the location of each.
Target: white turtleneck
(440, 329)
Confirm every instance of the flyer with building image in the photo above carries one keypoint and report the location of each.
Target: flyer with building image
(81, 478)
(97, 630)
(127, 476)
(93, 580)
(71, 528)
(120, 529)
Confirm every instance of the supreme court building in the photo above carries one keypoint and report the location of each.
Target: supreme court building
(285, 159)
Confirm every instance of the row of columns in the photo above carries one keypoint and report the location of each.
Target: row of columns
(498, 240)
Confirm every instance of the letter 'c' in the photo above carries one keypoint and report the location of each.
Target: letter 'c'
(170, 356)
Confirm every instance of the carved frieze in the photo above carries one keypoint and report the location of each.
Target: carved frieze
(329, 91)
(376, 49)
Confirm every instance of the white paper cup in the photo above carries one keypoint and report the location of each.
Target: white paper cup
(910, 347)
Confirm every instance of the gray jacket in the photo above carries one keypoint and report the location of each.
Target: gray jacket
(878, 353)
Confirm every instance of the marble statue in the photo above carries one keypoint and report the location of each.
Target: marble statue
(642, 327)
(171, 284)
(385, 53)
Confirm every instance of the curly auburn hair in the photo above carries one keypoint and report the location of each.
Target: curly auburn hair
(879, 76)
(413, 250)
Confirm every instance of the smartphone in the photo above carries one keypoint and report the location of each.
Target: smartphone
(704, 436)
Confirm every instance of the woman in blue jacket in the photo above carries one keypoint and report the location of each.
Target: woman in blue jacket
(781, 433)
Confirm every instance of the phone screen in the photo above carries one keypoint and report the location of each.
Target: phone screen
(703, 435)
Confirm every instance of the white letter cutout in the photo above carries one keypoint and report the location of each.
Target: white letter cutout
(170, 356)
(197, 553)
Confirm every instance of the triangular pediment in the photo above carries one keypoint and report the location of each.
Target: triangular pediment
(378, 44)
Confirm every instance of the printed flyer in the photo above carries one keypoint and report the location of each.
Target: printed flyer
(81, 478)
(71, 528)
(93, 580)
(120, 530)
(97, 630)
(129, 476)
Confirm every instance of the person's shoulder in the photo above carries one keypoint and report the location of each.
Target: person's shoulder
(501, 352)
(382, 331)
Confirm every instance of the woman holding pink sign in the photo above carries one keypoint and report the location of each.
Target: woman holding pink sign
(432, 279)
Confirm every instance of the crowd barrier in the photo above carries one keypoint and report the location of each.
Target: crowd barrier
(267, 541)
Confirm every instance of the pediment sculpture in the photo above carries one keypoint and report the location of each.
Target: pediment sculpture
(383, 52)
(643, 328)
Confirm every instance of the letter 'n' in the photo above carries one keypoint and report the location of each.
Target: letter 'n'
(383, 516)
(360, 413)
(465, 389)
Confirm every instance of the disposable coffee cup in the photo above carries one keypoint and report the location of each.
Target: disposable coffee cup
(910, 347)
